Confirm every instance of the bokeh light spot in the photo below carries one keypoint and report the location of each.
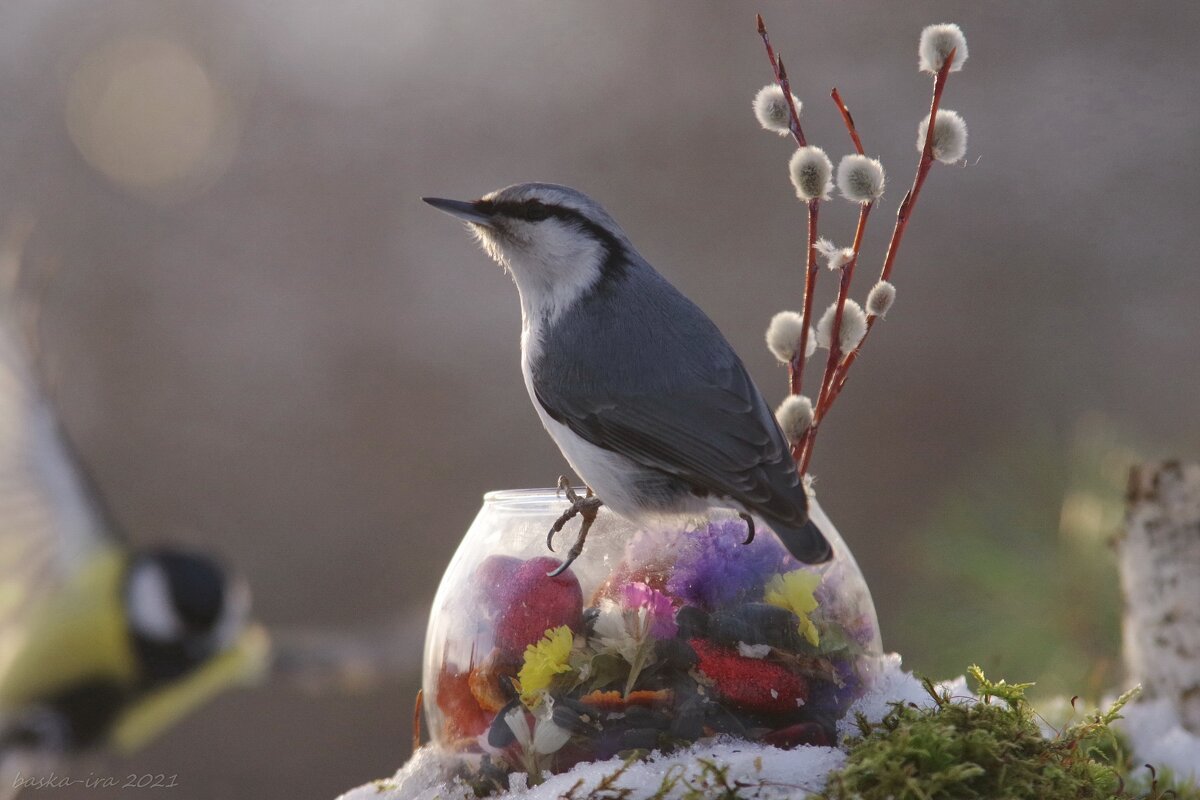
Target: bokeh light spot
(144, 112)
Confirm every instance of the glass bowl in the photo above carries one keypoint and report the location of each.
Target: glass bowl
(657, 636)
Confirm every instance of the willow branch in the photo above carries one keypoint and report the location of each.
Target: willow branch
(781, 78)
(796, 366)
(849, 120)
(903, 214)
(835, 349)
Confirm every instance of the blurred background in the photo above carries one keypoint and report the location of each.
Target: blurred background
(264, 343)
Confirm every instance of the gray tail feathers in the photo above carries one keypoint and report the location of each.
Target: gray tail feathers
(806, 543)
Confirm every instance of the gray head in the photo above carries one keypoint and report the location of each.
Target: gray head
(556, 242)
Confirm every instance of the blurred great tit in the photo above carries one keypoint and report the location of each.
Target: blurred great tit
(102, 646)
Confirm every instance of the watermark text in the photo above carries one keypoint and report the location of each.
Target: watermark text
(93, 781)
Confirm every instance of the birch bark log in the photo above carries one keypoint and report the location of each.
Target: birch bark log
(1159, 559)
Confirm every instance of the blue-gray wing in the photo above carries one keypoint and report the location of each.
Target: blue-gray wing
(716, 437)
(642, 372)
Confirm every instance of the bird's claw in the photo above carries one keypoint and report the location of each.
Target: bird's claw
(575, 550)
(558, 525)
(564, 486)
(586, 507)
(749, 527)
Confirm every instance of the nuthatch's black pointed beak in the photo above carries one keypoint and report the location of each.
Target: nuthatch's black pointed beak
(471, 212)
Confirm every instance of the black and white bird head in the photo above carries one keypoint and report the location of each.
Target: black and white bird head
(182, 608)
(556, 242)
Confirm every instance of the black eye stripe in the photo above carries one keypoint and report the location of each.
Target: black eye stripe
(615, 261)
(535, 210)
(531, 210)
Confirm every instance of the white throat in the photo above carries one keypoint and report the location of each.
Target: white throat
(551, 271)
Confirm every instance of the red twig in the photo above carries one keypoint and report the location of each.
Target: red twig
(793, 115)
(782, 78)
(843, 292)
(796, 367)
(903, 214)
(762, 32)
(837, 368)
(766, 42)
(835, 351)
(849, 120)
(910, 199)
(862, 227)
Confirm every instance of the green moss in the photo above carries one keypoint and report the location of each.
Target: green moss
(955, 750)
(990, 749)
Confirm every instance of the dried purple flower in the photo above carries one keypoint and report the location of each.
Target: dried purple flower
(715, 567)
(660, 611)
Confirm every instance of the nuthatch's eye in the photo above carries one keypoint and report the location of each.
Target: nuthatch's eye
(535, 211)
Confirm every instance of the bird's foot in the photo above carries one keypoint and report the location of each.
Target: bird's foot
(749, 527)
(586, 508)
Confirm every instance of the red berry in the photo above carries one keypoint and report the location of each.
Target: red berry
(753, 684)
(494, 576)
(532, 602)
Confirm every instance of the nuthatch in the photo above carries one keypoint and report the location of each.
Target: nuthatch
(646, 399)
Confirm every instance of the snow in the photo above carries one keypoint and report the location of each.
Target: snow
(891, 684)
(426, 776)
(779, 774)
(1158, 737)
(1153, 727)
